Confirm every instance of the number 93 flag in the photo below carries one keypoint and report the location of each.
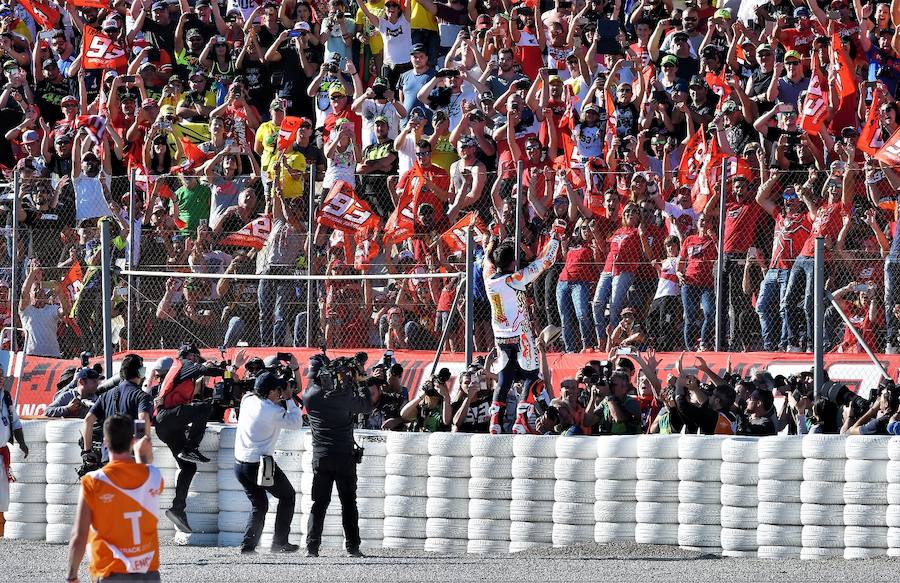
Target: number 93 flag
(100, 52)
(342, 210)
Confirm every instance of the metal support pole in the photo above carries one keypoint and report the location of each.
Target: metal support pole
(14, 291)
(866, 348)
(133, 259)
(446, 333)
(470, 291)
(819, 316)
(309, 250)
(106, 290)
(520, 176)
(720, 264)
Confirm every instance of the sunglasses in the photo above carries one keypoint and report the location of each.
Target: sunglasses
(337, 97)
(689, 19)
(423, 154)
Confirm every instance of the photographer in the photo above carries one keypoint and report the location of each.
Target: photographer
(758, 414)
(264, 413)
(331, 401)
(430, 410)
(473, 402)
(706, 413)
(76, 401)
(882, 412)
(385, 407)
(618, 413)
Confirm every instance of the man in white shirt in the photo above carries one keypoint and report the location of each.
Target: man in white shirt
(264, 413)
(40, 317)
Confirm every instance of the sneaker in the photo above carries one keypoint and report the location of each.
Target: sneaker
(193, 455)
(248, 551)
(285, 548)
(355, 553)
(495, 429)
(312, 554)
(179, 519)
(792, 348)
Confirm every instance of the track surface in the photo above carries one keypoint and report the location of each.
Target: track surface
(38, 561)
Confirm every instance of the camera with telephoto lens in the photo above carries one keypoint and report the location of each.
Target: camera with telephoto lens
(888, 387)
(801, 385)
(843, 396)
(339, 375)
(429, 386)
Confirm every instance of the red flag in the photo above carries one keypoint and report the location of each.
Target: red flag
(870, 140)
(147, 183)
(100, 52)
(707, 177)
(288, 132)
(812, 113)
(612, 120)
(455, 237)
(344, 211)
(71, 283)
(401, 224)
(692, 158)
(718, 85)
(252, 235)
(44, 14)
(101, 4)
(193, 157)
(890, 152)
(95, 125)
(366, 251)
(846, 78)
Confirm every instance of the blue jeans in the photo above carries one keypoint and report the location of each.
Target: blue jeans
(610, 290)
(772, 291)
(273, 296)
(800, 281)
(891, 297)
(690, 296)
(573, 301)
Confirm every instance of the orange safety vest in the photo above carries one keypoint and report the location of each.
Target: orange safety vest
(725, 425)
(124, 502)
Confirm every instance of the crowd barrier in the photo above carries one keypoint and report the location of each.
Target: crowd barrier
(811, 497)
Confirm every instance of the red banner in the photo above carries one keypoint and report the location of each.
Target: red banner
(100, 4)
(814, 107)
(455, 237)
(44, 14)
(401, 224)
(287, 133)
(846, 78)
(870, 140)
(890, 152)
(252, 235)
(344, 211)
(100, 52)
(193, 157)
(692, 159)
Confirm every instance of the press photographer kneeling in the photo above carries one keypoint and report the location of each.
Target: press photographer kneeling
(332, 401)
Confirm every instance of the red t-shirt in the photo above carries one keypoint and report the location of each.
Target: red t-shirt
(624, 251)
(826, 224)
(801, 40)
(656, 236)
(741, 220)
(791, 232)
(580, 265)
(701, 254)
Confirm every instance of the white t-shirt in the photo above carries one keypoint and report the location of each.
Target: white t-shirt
(40, 323)
(668, 285)
(397, 40)
(675, 211)
(406, 153)
(90, 203)
(370, 110)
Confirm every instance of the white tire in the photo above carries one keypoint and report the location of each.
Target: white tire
(780, 446)
(867, 447)
(734, 539)
(615, 468)
(447, 508)
(865, 515)
(823, 470)
(447, 528)
(373, 442)
(893, 449)
(739, 474)
(407, 443)
(873, 471)
(700, 493)
(35, 432)
(784, 513)
(699, 535)
(15, 530)
(823, 446)
(446, 546)
(818, 553)
(24, 493)
(531, 511)
(405, 485)
(656, 491)
(741, 450)
(700, 514)
(606, 511)
(205, 482)
(893, 471)
(778, 552)
(739, 517)
(529, 489)
(607, 532)
(61, 474)
(822, 492)
(209, 502)
(861, 554)
(210, 443)
(226, 480)
(540, 532)
(397, 526)
(447, 487)
(656, 534)
(30, 473)
(26, 512)
(623, 490)
(496, 446)
(658, 446)
(566, 535)
(230, 539)
(406, 544)
(487, 547)
(656, 468)
(488, 509)
(61, 513)
(491, 467)
(534, 468)
(370, 508)
(741, 496)
(63, 430)
(480, 529)
(778, 491)
(892, 518)
(489, 488)
(227, 433)
(579, 448)
(701, 447)
(521, 546)
(37, 453)
(401, 464)
(448, 467)
(448, 444)
(61, 494)
(204, 522)
(865, 493)
(289, 460)
(578, 470)
(821, 515)
(771, 535)
(224, 461)
(574, 513)
(656, 513)
(231, 521)
(196, 539)
(780, 469)
(534, 446)
(411, 506)
(569, 491)
(892, 495)
(823, 537)
(699, 470)
(58, 534)
(623, 446)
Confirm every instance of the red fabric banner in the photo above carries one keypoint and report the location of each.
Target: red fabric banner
(890, 152)
(814, 107)
(44, 14)
(846, 78)
(100, 52)
(870, 140)
(344, 211)
(287, 133)
(252, 235)
(455, 237)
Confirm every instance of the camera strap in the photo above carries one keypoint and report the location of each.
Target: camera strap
(358, 452)
(265, 476)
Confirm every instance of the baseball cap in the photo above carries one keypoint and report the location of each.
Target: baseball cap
(302, 26)
(164, 363)
(468, 141)
(722, 13)
(49, 63)
(66, 377)
(801, 12)
(86, 373)
(554, 79)
(590, 107)
(483, 22)
(729, 106)
(202, 4)
(710, 51)
(380, 118)
(29, 137)
(680, 35)
(486, 96)
(669, 60)
(336, 89)
(268, 381)
(69, 99)
(167, 110)
(419, 48)
(159, 6)
(697, 81)
(792, 55)
(316, 362)
(764, 47)
(145, 66)
(187, 349)
(194, 33)
(380, 81)
(62, 138)
(110, 24)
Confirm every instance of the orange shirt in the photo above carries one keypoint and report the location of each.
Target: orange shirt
(124, 502)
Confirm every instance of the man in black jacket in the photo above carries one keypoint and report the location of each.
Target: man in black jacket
(759, 414)
(332, 404)
(710, 414)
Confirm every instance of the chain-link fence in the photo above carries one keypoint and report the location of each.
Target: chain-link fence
(639, 264)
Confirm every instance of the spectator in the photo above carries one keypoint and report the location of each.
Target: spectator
(40, 317)
(695, 274)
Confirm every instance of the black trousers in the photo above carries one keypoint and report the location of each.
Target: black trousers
(182, 428)
(329, 470)
(259, 502)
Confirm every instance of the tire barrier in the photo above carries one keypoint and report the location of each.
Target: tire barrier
(656, 490)
(447, 509)
(532, 492)
(490, 494)
(865, 498)
(699, 493)
(892, 518)
(574, 521)
(780, 479)
(26, 517)
(739, 474)
(615, 507)
(821, 496)
(405, 491)
(203, 494)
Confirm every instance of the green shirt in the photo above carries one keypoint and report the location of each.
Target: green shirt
(607, 425)
(193, 205)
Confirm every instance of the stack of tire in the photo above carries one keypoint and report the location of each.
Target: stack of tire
(447, 509)
(532, 491)
(615, 505)
(289, 454)
(573, 506)
(168, 468)
(203, 496)
(405, 491)
(822, 496)
(26, 517)
(234, 509)
(656, 490)
(63, 455)
(700, 493)
(333, 530)
(370, 492)
(893, 497)
(739, 474)
(865, 496)
(490, 490)
(780, 477)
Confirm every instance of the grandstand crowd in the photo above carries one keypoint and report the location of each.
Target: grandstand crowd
(203, 130)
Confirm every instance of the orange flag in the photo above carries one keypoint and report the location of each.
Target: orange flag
(814, 108)
(846, 78)
(288, 132)
(44, 14)
(344, 211)
(692, 159)
(455, 237)
(252, 235)
(71, 283)
(193, 157)
(100, 52)
(870, 140)
(890, 152)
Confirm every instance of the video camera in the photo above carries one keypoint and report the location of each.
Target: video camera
(428, 387)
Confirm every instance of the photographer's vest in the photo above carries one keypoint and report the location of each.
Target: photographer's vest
(725, 425)
(174, 393)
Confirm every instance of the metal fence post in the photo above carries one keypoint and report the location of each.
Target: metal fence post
(720, 264)
(132, 259)
(106, 290)
(309, 252)
(520, 176)
(14, 267)
(819, 316)
(470, 290)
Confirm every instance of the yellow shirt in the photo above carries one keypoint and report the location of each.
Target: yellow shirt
(444, 153)
(293, 187)
(267, 135)
(421, 18)
(376, 43)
